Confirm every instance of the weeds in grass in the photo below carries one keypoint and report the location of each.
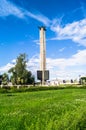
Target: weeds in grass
(62, 109)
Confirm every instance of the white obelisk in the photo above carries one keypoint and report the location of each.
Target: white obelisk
(42, 52)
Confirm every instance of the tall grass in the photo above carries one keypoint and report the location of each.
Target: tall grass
(63, 109)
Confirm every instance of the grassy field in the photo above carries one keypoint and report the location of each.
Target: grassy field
(63, 109)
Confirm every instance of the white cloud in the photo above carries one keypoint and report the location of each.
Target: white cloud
(7, 8)
(59, 68)
(33, 63)
(76, 60)
(6, 68)
(65, 74)
(68, 68)
(62, 67)
(39, 17)
(75, 31)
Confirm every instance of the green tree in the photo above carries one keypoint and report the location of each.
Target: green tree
(5, 79)
(20, 75)
(82, 80)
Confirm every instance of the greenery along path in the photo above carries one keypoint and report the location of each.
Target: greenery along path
(44, 110)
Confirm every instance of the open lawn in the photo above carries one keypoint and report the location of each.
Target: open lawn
(62, 109)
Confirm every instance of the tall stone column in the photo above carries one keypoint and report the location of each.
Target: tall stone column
(42, 74)
(42, 52)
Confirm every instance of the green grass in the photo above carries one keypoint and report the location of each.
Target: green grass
(62, 109)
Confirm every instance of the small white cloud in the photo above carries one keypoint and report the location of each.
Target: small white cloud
(13, 61)
(62, 49)
(37, 42)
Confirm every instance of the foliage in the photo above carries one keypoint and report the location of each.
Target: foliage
(28, 88)
(0, 79)
(63, 109)
(20, 75)
(83, 80)
(5, 79)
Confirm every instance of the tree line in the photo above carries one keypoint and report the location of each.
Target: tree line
(19, 75)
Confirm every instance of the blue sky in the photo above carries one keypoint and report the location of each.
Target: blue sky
(65, 21)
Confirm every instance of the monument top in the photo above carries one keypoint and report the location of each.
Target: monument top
(40, 27)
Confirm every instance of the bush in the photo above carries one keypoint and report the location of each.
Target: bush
(26, 88)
